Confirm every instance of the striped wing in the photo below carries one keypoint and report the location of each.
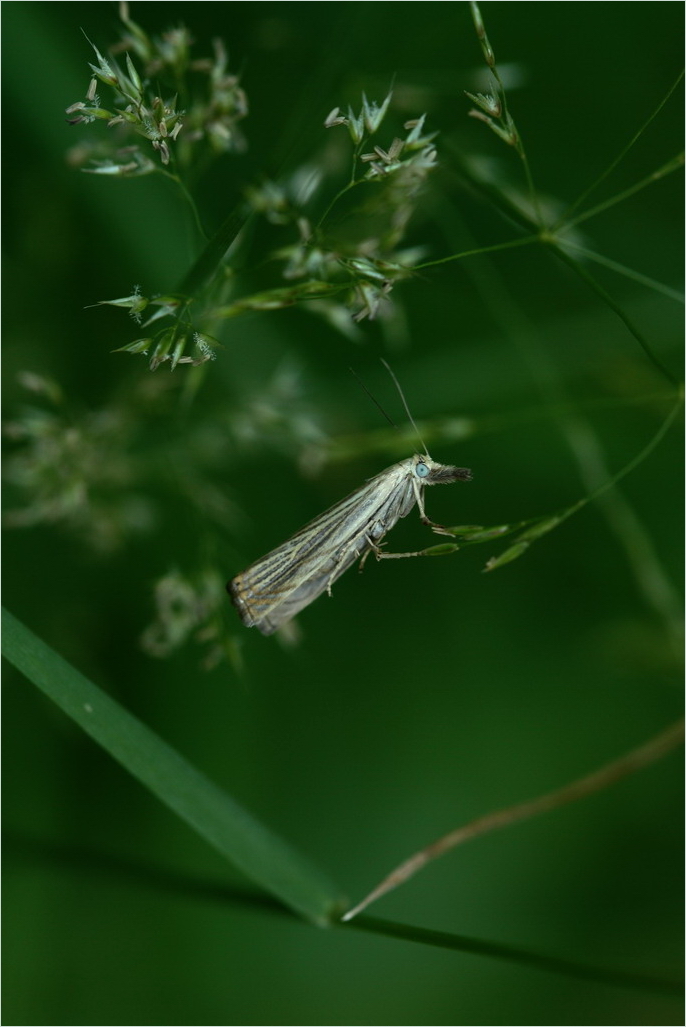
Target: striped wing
(285, 581)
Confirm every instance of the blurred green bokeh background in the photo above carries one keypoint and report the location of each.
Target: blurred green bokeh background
(425, 693)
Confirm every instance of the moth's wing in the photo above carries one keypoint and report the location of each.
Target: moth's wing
(283, 582)
(312, 588)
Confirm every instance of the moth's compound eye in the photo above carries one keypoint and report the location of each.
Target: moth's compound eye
(421, 470)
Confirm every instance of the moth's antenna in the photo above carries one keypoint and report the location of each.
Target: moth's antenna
(374, 399)
(407, 409)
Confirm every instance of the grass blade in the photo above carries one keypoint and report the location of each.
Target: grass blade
(537, 960)
(243, 840)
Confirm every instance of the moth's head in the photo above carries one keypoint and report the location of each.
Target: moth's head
(428, 472)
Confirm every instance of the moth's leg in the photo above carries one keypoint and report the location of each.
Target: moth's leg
(440, 529)
(380, 555)
(340, 560)
(365, 555)
(332, 576)
(396, 556)
(373, 537)
(419, 496)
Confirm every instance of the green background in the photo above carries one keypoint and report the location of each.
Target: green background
(425, 693)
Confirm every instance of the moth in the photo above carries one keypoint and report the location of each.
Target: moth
(274, 589)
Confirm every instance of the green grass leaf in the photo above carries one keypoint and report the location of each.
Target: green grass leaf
(243, 840)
